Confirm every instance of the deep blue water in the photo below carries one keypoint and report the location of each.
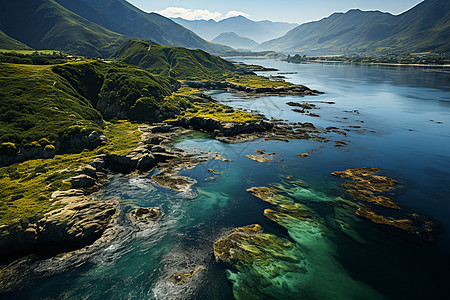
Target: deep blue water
(396, 106)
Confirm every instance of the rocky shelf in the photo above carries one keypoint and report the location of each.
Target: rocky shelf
(292, 90)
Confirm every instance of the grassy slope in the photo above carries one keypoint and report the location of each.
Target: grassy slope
(425, 27)
(33, 97)
(8, 43)
(67, 95)
(64, 96)
(27, 187)
(221, 112)
(180, 63)
(44, 24)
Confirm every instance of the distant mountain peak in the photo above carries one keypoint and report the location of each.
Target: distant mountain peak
(258, 31)
(236, 41)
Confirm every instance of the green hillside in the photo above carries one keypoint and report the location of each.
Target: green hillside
(425, 27)
(179, 63)
(44, 24)
(72, 96)
(338, 33)
(8, 43)
(122, 17)
(33, 96)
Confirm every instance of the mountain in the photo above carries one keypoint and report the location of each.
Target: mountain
(8, 43)
(44, 24)
(233, 40)
(425, 27)
(175, 62)
(124, 18)
(340, 32)
(258, 31)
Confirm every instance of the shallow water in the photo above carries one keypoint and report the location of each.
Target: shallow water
(395, 106)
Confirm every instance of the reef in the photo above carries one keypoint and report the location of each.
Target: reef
(265, 266)
(183, 278)
(369, 191)
(366, 186)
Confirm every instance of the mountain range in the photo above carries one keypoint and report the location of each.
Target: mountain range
(258, 31)
(425, 27)
(90, 27)
(99, 27)
(236, 41)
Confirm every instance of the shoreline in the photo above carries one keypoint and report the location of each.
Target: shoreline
(153, 151)
(373, 63)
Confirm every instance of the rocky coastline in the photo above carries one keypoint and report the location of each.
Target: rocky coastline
(291, 90)
(81, 218)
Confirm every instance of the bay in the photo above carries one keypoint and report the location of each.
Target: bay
(404, 119)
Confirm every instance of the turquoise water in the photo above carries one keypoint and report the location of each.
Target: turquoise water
(395, 105)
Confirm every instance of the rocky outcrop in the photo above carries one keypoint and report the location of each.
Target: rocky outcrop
(81, 181)
(38, 151)
(261, 158)
(220, 128)
(144, 217)
(291, 90)
(79, 221)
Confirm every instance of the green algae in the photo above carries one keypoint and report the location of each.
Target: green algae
(260, 273)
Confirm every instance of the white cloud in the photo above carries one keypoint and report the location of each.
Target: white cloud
(234, 13)
(198, 14)
(190, 14)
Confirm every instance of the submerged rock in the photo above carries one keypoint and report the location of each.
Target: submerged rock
(250, 243)
(174, 182)
(366, 185)
(144, 217)
(367, 188)
(215, 172)
(260, 158)
(183, 278)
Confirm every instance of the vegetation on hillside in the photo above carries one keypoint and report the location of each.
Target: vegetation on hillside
(75, 96)
(209, 109)
(122, 17)
(49, 99)
(423, 28)
(37, 103)
(33, 57)
(44, 24)
(7, 42)
(27, 186)
(175, 62)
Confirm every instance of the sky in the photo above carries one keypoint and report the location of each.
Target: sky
(295, 11)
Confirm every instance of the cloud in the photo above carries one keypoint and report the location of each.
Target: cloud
(190, 14)
(198, 14)
(234, 13)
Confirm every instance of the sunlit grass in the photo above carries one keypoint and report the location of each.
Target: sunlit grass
(27, 186)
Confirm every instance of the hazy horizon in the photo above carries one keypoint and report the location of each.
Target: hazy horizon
(298, 11)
